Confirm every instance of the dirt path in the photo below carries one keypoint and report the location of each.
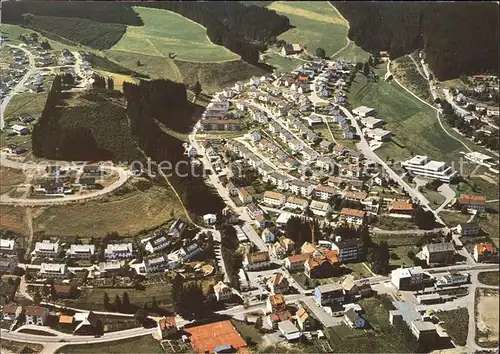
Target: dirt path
(29, 222)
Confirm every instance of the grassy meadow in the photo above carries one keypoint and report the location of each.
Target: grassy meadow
(317, 24)
(166, 34)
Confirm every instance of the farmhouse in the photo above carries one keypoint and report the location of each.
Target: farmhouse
(291, 49)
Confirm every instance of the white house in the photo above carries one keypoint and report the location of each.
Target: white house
(81, 251)
(319, 208)
(421, 165)
(353, 319)
(46, 249)
(222, 291)
(118, 251)
(36, 315)
(274, 198)
(53, 270)
(268, 236)
(296, 203)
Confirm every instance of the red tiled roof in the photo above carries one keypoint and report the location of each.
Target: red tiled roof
(35, 310)
(483, 247)
(207, 337)
(167, 322)
(353, 212)
(471, 199)
(299, 257)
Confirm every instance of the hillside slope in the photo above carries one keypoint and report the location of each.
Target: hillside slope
(457, 38)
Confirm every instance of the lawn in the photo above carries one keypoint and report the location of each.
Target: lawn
(127, 214)
(10, 178)
(118, 79)
(14, 219)
(414, 125)
(317, 25)
(144, 344)
(456, 324)
(381, 337)
(92, 299)
(337, 134)
(489, 278)
(166, 33)
(352, 53)
(453, 218)
(390, 223)
(359, 270)
(247, 331)
(434, 197)
(281, 63)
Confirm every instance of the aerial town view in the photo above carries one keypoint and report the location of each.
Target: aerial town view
(249, 177)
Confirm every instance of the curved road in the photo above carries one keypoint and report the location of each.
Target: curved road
(4, 199)
(6, 99)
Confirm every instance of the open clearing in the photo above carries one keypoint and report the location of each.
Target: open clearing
(166, 33)
(414, 125)
(118, 79)
(126, 214)
(13, 218)
(456, 324)
(317, 25)
(489, 278)
(10, 178)
(487, 317)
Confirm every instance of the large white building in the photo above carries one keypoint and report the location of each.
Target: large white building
(422, 166)
(118, 251)
(46, 249)
(53, 270)
(407, 278)
(81, 251)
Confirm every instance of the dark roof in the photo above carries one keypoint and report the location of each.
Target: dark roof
(87, 180)
(351, 315)
(351, 242)
(51, 183)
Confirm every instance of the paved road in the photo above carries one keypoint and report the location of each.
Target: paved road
(20, 84)
(326, 319)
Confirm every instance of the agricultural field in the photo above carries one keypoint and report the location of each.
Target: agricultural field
(352, 53)
(317, 25)
(10, 178)
(487, 317)
(414, 125)
(167, 34)
(129, 213)
(144, 344)
(14, 219)
(281, 63)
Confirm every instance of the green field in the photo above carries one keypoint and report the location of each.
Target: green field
(144, 344)
(353, 53)
(317, 25)
(165, 32)
(415, 125)
(456, 324)
(281, 63)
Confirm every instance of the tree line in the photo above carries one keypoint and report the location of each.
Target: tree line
(101, 11)
(242, 29)
(457, 38)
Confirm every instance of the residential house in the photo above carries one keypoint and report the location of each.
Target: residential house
(319, 208)
(167, 327)
(189, 250)
(339, 150)
(472, 202)
(469, 229)
(110, 268)
(161, 263)
(321, 266)
(304, 321)
(407, 278)
(118, 251)
(296, 262)
(401, 207)
(293, 202)
(36, 315)
(291, 49)
(349, 250)
(87, 183)
(325, 145)
(256, 261)
(278, 284)
(356, 196)
(353, 319)
(363, 111)
(438, 253)
(353, 171)
(276, 317)
(327, 294)
(279, 180)
(289, 331)
(277, 250)
(51, 186)
(276, 303)
(357, 289)
(220, 124)
(267, 236)
(244, 196)
(372, 122)
(11, 312)
(65, 291)
(299, 187)
(7, 246)
(353, 216)
(262, 221)
(324, 192)
(222, 291)
(81, 251)
(253, 210)
(452, 279)
(485, 252)
(273, 198)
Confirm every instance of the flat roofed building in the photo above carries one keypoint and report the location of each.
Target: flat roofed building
(46, 249)
(372, 122)
(7, 245)
(422, 166)
(407, 278)
(118, 251)
(363, 111)
(53, 270)
(81, 251)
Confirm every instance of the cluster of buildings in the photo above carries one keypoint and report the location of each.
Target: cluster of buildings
(372, 126)
(17, 69)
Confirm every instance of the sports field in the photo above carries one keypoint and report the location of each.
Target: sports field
(414, 125)
(167, 34)
(317, 24)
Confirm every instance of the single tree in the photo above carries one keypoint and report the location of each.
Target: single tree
(140, 316)
(117, 304)
(138, 63)
(197, 89)
(126, 302)
(111, 83)
(106, 301)
(366, 69)
(320, 53)
(37, 298)
(258, 323)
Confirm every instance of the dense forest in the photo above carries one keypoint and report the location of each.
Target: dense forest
(457, 38)
(100, 11)
(147, 101)
(241, 29)
(94, 34)
(91, 121)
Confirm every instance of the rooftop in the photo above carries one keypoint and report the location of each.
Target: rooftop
(203, 338)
